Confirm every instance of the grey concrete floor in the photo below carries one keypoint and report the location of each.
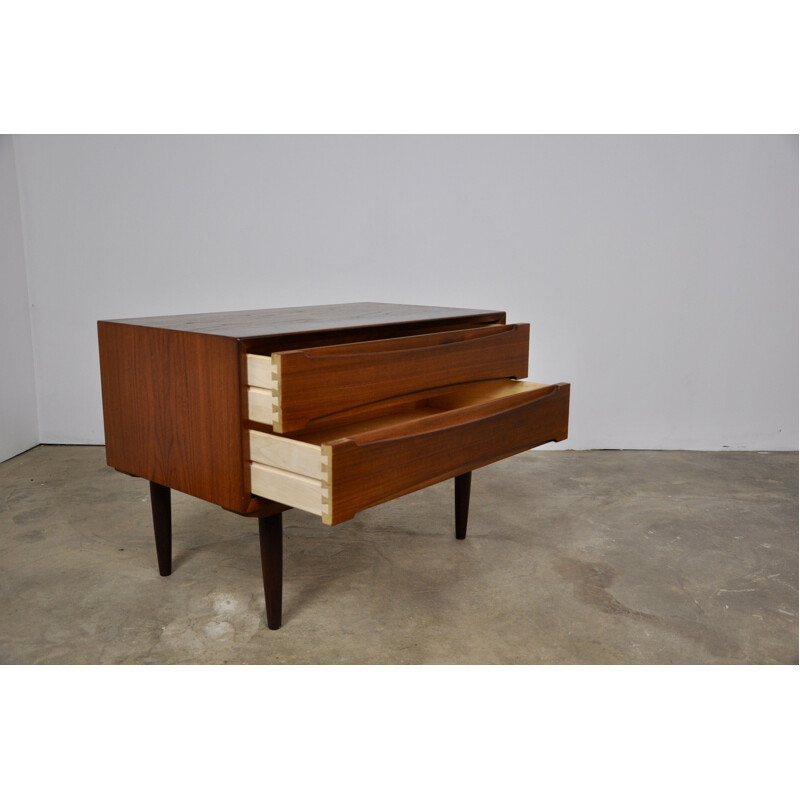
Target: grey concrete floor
(611, 557)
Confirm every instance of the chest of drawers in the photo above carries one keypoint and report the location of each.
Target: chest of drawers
(329, 409)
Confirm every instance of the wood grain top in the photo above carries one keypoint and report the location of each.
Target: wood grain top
(308, 319)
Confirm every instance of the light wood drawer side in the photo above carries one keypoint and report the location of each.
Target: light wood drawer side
(287, 454)
(260, 371)
(290, 472)
(288, 488)
(262, 394)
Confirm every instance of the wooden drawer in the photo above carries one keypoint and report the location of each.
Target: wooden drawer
(292, 389)
(339, 471)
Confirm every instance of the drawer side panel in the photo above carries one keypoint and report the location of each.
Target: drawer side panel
(260, 405)
(287, 454)
(290, 488)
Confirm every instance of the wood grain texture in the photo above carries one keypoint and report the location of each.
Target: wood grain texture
(382, 464)
(268, 322)
(172, 408)
(317, 382)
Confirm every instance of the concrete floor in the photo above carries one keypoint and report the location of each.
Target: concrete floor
(610, 557)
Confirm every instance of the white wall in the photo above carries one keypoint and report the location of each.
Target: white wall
(659, 273)
(19, 428)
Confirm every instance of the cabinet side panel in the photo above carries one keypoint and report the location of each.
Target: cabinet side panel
(171, 409)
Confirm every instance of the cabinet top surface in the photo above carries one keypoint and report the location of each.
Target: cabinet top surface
(300, 319)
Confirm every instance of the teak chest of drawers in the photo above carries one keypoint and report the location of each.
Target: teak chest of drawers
(329, 409)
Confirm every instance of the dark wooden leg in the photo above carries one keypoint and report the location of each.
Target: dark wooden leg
(270, 532)
(463, 483)
(162, 525)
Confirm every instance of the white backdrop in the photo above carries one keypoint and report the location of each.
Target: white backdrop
(659, 274)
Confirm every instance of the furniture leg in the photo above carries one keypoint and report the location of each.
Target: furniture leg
(162, 526)
(270, 534)
(463, 483)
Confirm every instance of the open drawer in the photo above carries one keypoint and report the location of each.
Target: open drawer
(289, 390)
(338, 471)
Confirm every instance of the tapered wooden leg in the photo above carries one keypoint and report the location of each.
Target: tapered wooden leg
(270, 533)
(162, 526)
(463, 483)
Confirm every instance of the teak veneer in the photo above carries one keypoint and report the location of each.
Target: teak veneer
(329, 409)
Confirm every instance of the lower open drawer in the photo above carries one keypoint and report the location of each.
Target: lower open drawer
(343, 469)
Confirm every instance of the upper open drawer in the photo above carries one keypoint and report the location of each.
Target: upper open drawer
(290, 389)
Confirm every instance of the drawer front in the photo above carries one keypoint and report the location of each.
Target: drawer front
(371, 468)
(341, 476)
(291, 389)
